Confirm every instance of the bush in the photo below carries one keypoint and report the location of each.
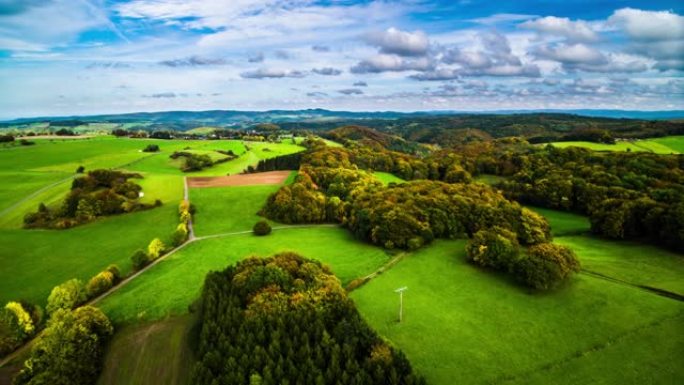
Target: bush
(116, 272)
(80, 170)
(180, 235)
(155, 249)
(25, 142)
(140, 259)
(261, 228)
(496, 248)
(546, 265)
(99, 284)
(70, 351)
(66, 296)
(151, 148)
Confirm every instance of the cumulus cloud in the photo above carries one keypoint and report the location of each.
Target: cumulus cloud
(562, 26)
(655, 34)
(351, 91)
(391, 63)
(320, 48)
(282, 54)
(574, 57)
(496, 59)
(360, 84)
(107, 65)
(398, 42)
(327, 71)
(571, 54)
(193, 61)
(266, 73)
(649, 25)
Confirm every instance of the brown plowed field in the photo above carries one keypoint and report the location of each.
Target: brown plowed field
(270, 177)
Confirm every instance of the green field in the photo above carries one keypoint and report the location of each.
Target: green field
(34, 261)
(466, 325)
(228, 209)
(150, 353)
(172, 285)
(668, 145)
(39, 259)
(563, 222)
(387, 178)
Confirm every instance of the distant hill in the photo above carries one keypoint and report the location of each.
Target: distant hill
(237, 118)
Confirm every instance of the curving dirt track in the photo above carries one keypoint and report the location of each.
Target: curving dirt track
(270, 177)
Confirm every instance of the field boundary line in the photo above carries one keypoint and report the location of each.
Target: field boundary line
(596, 348)
(364, 280)
(34, 194)
(646, 288)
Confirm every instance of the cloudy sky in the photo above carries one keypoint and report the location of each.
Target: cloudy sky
(62, 57)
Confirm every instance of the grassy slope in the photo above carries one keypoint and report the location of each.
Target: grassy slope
(668, 145)
(387, 178)
(32, 262)
(150, 353)
(173, 284)
(563, 222)
(466, 325)
(228, 209)
(636, 263)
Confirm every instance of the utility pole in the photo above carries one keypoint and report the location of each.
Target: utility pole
(401, 300)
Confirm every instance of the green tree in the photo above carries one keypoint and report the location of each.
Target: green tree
(66, 296)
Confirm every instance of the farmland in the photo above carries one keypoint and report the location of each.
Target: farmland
(462, 323)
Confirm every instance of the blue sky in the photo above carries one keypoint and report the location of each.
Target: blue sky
(63, 57)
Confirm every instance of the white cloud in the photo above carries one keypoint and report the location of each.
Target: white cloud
(266, 73)
(648, 25)
(389, 63)
(562, 26)
(571, 53)
(395, 41)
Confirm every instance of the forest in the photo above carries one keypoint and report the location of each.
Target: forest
(287, 320)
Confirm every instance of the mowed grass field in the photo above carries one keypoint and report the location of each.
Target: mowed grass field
(228, 209)
(150, 353)
(32, 262)
(173, 284)
(463, 324)
(666, 145)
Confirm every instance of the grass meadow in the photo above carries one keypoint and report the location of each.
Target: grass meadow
(173, 284)
(668, 145)
(38, 260)
(150, 353)
(463, 324)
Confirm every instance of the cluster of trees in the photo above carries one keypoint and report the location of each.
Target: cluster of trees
(151, 148)
(197, 162)
(99, 193)
(19, 321)
(6, 138)
(408, 215)
(625, 195)
(70, 351)
(286, 320)
(542, 266)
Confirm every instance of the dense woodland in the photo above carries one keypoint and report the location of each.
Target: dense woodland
(99, 193)
(286, 320)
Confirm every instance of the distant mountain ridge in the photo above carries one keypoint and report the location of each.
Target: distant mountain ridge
(236, 117)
